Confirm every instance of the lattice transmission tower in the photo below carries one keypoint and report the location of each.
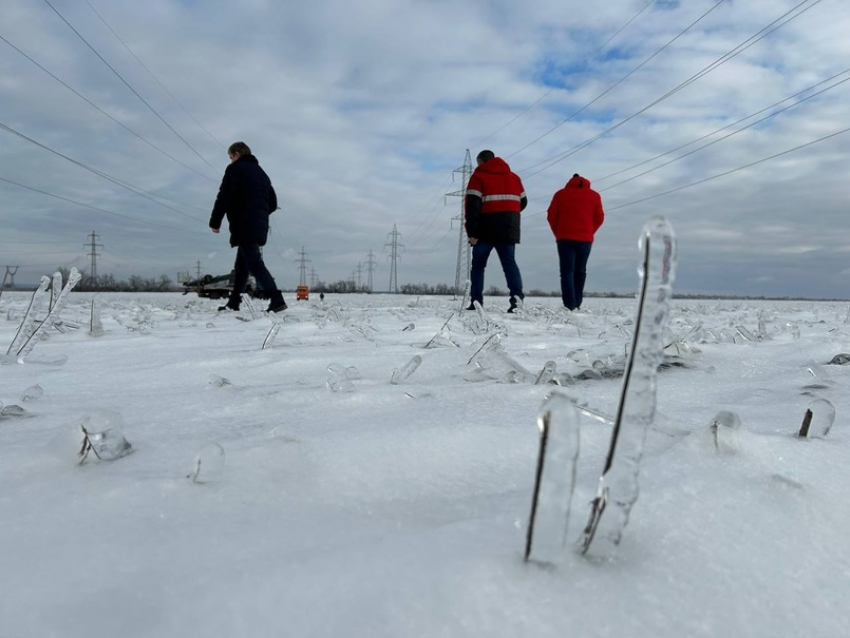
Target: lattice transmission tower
(394, 257)
(302, 261)
(94, 255)
(370, 268)
(464, 255)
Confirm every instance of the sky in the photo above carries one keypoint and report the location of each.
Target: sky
(383, 510)
(727, 117)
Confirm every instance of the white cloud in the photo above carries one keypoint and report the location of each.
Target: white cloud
(359, 112)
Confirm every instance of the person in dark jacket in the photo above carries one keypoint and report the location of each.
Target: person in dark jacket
(494, 199)
(247, 198)
(575, 215)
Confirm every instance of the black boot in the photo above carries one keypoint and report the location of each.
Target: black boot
(277, 305)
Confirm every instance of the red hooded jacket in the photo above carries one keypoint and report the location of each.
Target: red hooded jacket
(495, 197)
(576, 211)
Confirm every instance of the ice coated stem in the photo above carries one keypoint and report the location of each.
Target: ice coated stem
(28, 322)
(554, 480)
(618, 486)
(59, 302)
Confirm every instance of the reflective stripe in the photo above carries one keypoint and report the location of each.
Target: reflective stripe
(474, 193)
(495, 198)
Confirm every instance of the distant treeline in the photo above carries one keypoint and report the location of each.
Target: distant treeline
(137, 283)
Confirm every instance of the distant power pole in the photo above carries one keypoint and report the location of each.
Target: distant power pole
(10, 274)
(302, 280)
(463, 252)
(314, 278)
(370, 268)
(359, 271)
(93, 254)
(394, 257)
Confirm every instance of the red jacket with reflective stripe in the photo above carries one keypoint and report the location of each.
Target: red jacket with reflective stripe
(576, 211)
(494, 198)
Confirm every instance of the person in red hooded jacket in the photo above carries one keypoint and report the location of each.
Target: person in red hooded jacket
(575, 215)
(494, 199)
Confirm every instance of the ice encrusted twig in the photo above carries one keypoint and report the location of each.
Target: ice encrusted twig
(554, 480)
(58, 302)
(618, 485)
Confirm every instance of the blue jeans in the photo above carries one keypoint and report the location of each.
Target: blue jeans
(573, 256)
(480, 254)
(250, 260)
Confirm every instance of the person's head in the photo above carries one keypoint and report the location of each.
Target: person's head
(484, 156)
(237, 150)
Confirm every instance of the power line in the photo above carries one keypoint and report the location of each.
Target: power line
(129, 86)
(151, 73)
(618, 82)
(95, 208)
(118, 122)
(547, 93)
(743, 119)
(746, 44)
(125, 185)
(734, 170)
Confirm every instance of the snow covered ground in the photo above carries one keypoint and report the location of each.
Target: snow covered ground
(401, 509)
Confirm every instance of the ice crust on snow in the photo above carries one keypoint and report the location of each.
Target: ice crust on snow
(402, 509)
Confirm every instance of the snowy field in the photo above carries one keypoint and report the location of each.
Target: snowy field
(389, 510)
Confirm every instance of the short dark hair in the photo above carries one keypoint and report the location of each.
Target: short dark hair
(485, 156)
(239, 147)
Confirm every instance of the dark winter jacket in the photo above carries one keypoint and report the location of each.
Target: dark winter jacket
(494, 198)
(576, 211)
(247, 198)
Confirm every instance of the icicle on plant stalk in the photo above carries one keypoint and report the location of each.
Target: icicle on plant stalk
(465, 299)
(53, 315)
(95, 324)
(271, 334)
(55, 289)
(340, 379)
(209, 464)
(28, 322)
(618, 485)
(546, 374)
(724, 431)
(32, 393)
(439, 334)
(408, 369)
(818, 419)
(250, 305)
(554, 480)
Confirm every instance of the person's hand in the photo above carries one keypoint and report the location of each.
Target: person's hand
(215, 230)
(473, 241)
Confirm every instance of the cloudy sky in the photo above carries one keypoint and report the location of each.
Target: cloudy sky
(729, 117)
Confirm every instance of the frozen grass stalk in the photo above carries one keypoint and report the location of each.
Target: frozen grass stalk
(618, 486)
(554, 480)
(408, 369)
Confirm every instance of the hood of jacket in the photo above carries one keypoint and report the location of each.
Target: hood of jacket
(495, 166)
(247, 157)
(577, 181)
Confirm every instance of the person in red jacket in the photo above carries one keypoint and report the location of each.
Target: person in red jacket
(494, 199)
(575, 215)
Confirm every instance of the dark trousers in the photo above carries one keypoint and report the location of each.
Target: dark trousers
(480, 254)
(249, 260)
(573, 256)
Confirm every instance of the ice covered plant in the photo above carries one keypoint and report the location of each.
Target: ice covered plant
(554, 480)
(103, 436)
(618, 485)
